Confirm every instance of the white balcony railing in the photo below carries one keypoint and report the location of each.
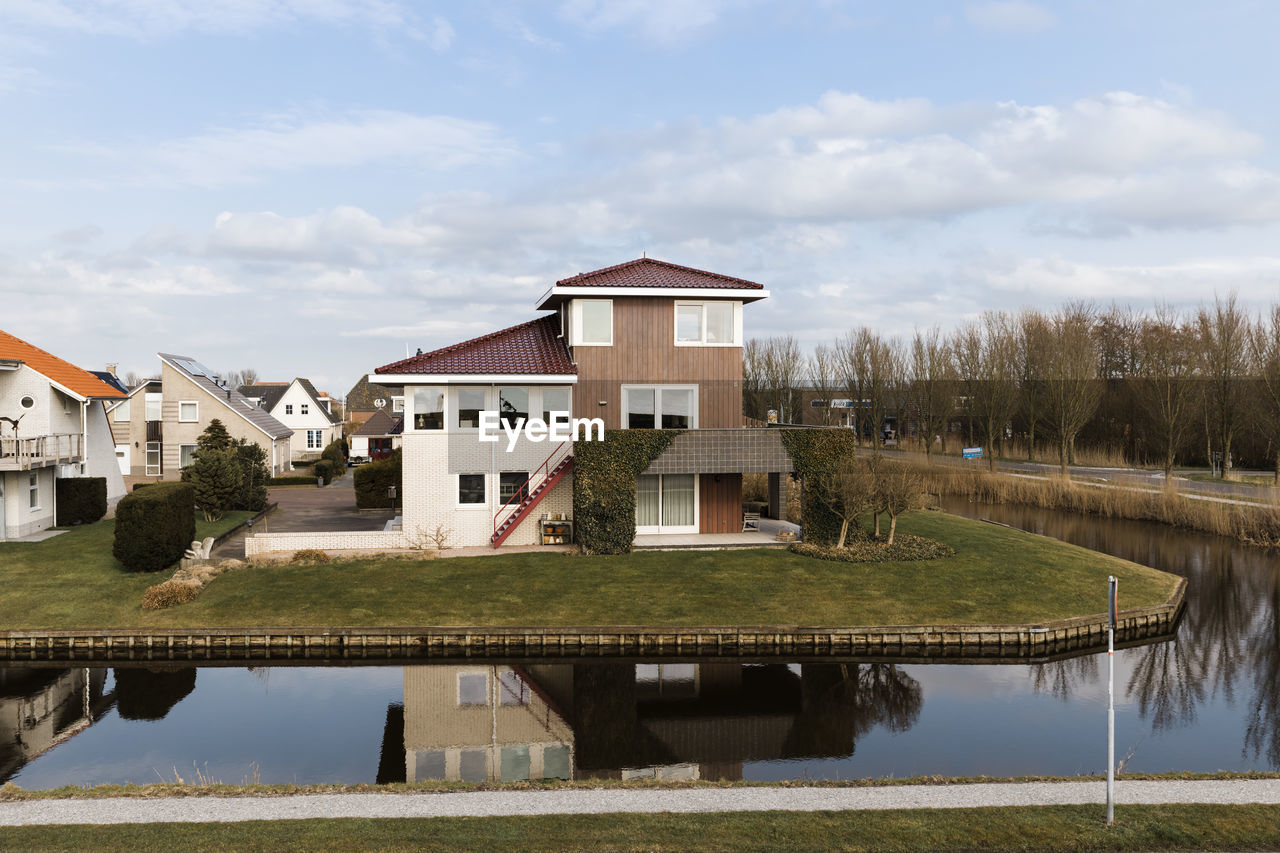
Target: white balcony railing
(39, 451)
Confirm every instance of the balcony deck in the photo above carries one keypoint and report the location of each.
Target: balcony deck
(39, 451)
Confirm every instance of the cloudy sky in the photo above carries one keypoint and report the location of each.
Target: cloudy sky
(308, 187)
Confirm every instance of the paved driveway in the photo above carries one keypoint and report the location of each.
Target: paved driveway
(304, 508)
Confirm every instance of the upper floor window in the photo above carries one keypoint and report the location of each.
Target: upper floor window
(470, 404)
(707, 324)
(154, 405)
(428, 408)
(397, 404)
(659, 406)
(304, 409)
(188, 411)
(288, 408)
(513, 405)
(592, 322)
(554, 400)
(121, 412)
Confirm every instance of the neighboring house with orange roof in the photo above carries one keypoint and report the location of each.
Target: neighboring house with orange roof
(52, 425)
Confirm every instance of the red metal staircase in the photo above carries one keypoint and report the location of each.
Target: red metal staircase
(518, 507)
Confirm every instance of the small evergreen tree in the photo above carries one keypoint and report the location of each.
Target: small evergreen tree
(217, 478)
(215, 437)
(254, 473)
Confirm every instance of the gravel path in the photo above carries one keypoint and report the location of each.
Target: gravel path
(493, 803)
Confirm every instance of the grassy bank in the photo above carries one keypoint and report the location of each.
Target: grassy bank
(997, 575)
(1257, 523)
(1045, 828)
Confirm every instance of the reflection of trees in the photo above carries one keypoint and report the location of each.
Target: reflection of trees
(842, 702)
(888, 696)
(1262, 735)
(1060, 677)
(1168, 684)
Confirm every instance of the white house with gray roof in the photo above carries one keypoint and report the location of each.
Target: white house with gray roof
(300, 407)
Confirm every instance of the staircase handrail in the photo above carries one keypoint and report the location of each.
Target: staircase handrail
(538, 475)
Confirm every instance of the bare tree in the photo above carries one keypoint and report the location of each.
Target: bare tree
(848, 489)
(782, 367)
(232, 378)
(753, 379)
(933, 375)
(1070, 376)
(824, 378)
(1264, 350)
(987, 352)
(1164, 385)
(872, 374)
(899, 488)
(248, 376)
(1033, 335)
(132, 379)
(1224, 353)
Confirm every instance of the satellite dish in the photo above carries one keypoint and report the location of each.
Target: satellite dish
(379, 403)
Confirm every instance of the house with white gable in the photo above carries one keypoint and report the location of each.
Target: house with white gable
(302, 409)
(52, 425)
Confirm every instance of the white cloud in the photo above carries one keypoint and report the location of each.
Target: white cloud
(1010, 16)
(294, 143)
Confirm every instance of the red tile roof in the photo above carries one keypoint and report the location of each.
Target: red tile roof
(66, 374)
(534, 347)
(647, 272)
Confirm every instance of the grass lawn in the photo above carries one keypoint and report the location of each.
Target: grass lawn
(998, 575)
(1045, 828)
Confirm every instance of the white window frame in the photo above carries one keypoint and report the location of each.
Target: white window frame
(576, 323)
(657, 403)
(455, 403)
(182, 447)
(183, 420)
(304, 409)
(397, 404)
(682, 528)
(702, 336)
(146, 458)
(315, 439)
(151, 399)
(457, 491)
(33, 491)
(411, 417)
(288, 408)
(542, 405)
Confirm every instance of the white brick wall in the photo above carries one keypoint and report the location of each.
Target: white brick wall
(352, 540)
(430, 489)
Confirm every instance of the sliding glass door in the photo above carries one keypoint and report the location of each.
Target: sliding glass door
(666, 503)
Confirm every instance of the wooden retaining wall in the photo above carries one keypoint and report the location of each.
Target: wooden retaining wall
(891, 643)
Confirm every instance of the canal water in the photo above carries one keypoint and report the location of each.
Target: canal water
(1209, 699)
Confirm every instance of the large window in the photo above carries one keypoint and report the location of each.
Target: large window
(153, 458)
(471, 489)
(188, 411)
(470, 404)
(666, 503)
(121, 412)
(428, 408)
(315, 439)
(706, 323)
(513, 405)
(654, 406)
(554, 400)
(593, 322)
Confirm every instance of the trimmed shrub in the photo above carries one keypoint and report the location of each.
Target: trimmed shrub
(604, 486)
(814, 452)
(371, 482)
(169, 594)
(81, 500)
(154, 527)
(303, 463)
(254, 473)
(324, 471)
(292, 481)
(864, 549)
(336, 453)
(309, 557)
(217, 479)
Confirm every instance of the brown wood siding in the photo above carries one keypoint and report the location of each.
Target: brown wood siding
(720, 503)
(644, 353)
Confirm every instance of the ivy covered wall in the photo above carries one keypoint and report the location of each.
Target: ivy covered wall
(604, 486)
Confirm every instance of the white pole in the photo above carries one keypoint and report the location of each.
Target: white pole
(1111, 699)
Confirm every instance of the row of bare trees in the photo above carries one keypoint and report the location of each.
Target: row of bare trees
(1158, 387)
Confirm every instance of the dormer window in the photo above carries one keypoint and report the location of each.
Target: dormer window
(592, 322)
(708, 324)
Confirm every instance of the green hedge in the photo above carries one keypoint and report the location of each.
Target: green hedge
(303, 463)
(292, 481)
(324, 471)
(155, 526)
(371, 482)
(336, 453)
(80, 500)
(604, 486)
(812, 452)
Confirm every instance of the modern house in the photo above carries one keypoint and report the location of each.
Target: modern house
(52, 425)
(300, 407)
(642, 345)
(156, 427)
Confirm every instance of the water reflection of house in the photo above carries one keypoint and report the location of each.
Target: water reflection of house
(41, 708)
(670, 721)
(482, 723)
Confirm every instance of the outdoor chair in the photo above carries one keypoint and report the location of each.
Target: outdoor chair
(750, 521)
